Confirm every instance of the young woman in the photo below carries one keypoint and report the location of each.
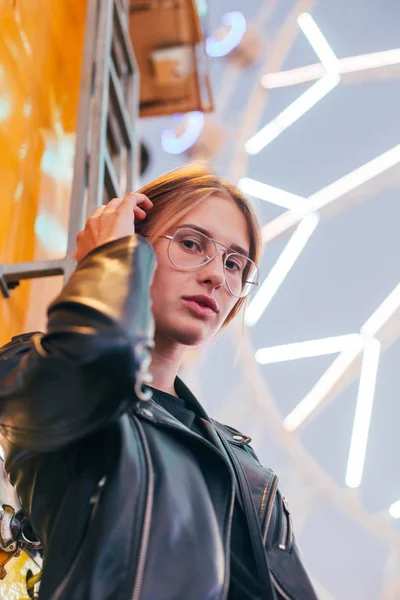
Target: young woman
(134, 491)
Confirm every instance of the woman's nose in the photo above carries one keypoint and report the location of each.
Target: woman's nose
(214, 270)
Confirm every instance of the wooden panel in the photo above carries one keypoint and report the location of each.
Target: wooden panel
(40, 62)
(167, 40)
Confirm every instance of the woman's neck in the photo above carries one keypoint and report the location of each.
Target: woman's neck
(165, 363)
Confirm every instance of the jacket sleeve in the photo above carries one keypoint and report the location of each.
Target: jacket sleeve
(70, 381)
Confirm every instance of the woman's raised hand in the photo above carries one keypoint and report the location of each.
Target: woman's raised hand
(110, 222)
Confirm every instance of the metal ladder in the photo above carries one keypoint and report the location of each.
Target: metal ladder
(107, 149)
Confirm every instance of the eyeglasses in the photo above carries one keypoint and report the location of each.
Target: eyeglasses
(190, 249)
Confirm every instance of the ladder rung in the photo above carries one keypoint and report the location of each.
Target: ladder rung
(123, 36)
(114, 136)
(13, 273)
(121, 111)
(37, 268)
(110, 177)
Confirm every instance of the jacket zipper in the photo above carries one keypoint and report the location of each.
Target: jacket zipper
(279, 589)
(272, 482)
(144, 543)
(216, 439)
(205, 442)
(270, 506)
(94, 501)
(286, 537)
(283, 540)
(247, 497)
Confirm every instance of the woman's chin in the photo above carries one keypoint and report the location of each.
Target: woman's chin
(192, 335)
(186, 332)
(192, 338)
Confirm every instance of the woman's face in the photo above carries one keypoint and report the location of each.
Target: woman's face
(178, 319)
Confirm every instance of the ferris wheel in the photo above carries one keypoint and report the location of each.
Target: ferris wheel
(355, 356)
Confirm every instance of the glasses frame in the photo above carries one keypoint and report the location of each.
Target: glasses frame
(170, 238)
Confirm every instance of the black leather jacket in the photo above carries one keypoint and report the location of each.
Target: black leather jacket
(128, 502)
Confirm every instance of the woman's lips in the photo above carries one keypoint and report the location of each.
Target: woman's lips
(198, 309)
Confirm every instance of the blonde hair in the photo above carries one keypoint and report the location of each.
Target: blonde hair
(176, 193)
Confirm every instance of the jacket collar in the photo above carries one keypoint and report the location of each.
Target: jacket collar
(151, 411)
(183, 391)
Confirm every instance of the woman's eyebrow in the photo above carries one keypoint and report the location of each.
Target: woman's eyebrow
(233, 247)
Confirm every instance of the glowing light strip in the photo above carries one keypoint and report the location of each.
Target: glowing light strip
(394, 510)
(364, 62)
(293, 77)
(319, 43)
(349, 182)
(279, 225)
(323, 386)
(334, 191)
(296, 76)
(237, 23)
(281, 268)
(382, 314)
(173, 144)
(307, 100)
(316, 396)
(291, 114)
(274, 195)
(308, 349)
(362, 419)
(350, 64)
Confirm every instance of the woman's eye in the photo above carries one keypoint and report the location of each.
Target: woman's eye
(233, 266)
(191, 245)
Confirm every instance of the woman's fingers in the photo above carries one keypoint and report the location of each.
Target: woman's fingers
(99, 211)
(145, 202)
(133, 200)
(112, 205)
(111, 222)
(139, 213)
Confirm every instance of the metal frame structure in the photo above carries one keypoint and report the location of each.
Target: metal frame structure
(107, 149)
(303, 475)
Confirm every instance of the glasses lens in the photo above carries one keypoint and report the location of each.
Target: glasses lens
(190, 249)
(241, 274)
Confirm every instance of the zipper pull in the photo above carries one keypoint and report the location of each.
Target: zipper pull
(244, 439)
(287, 535)
(100, 485)
(285, 502)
